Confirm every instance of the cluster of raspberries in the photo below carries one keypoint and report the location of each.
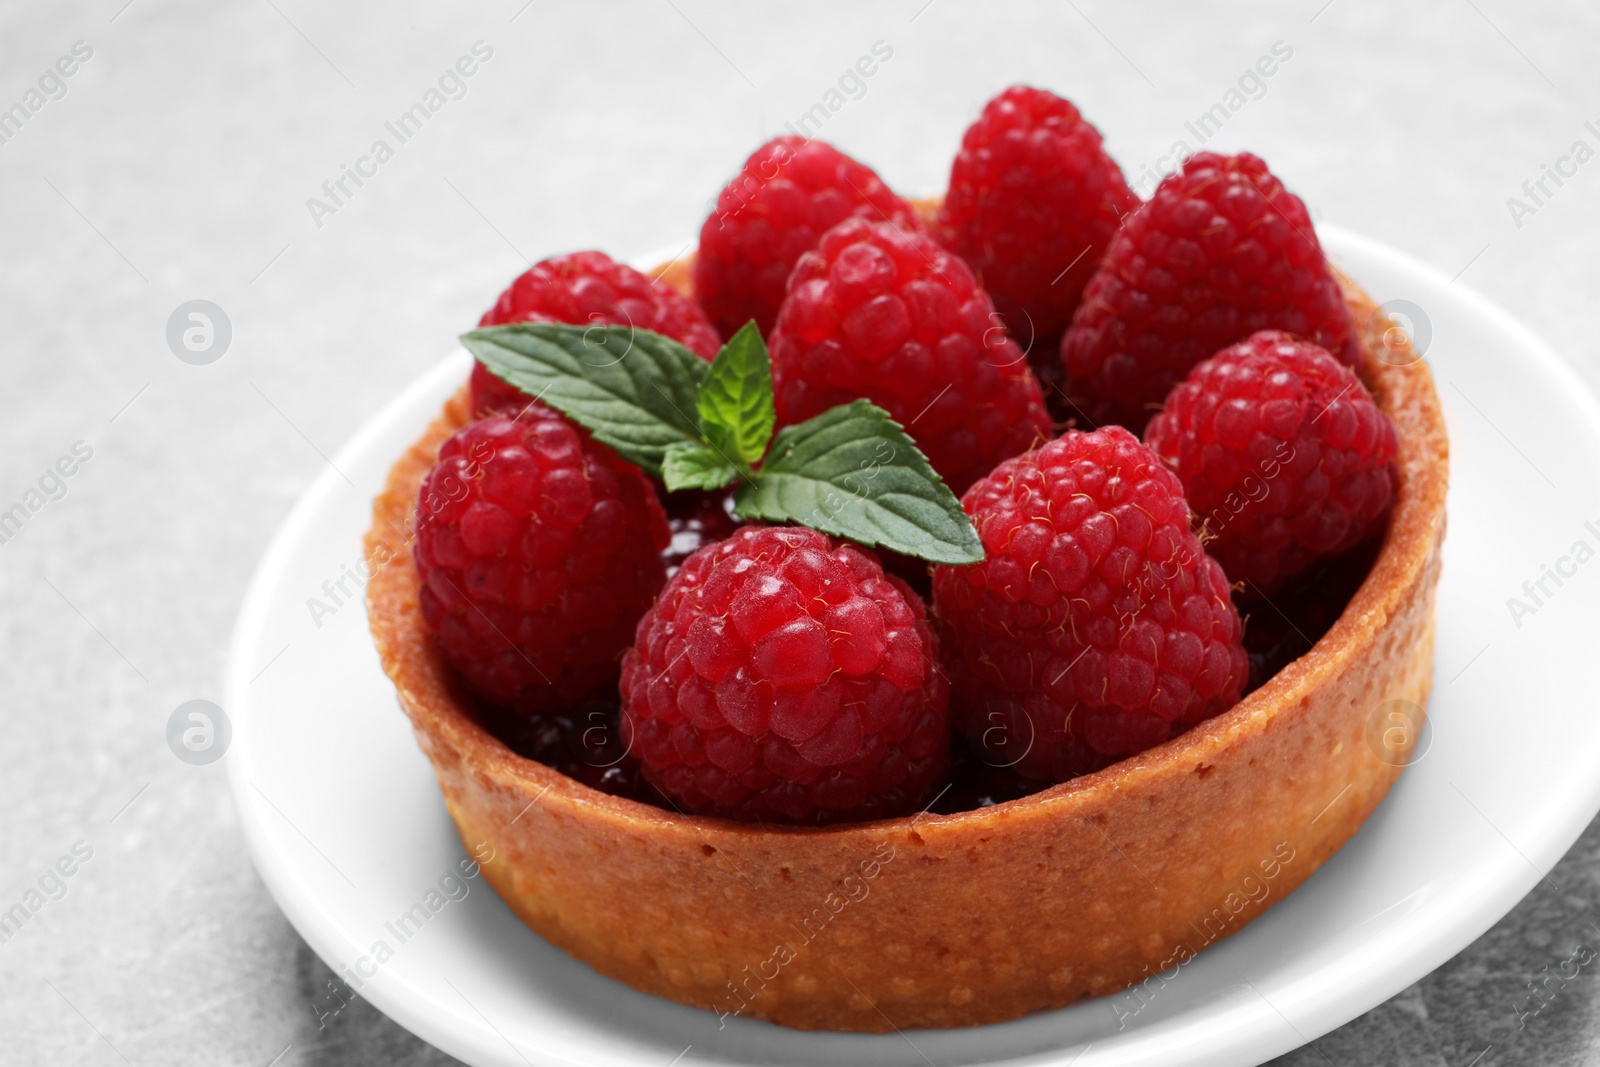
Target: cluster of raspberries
(1219, 444)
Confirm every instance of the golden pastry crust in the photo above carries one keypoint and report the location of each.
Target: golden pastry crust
(980, 916)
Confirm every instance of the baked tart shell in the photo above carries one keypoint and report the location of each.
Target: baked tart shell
(979, 916)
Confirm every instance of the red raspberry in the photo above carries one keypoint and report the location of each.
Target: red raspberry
(538, 550)
(789, 193)
(1220, 251)
(886, 313)
(1097, 627)
(589, 288)
(1033, 202)
(1283, 454)
(782, 676)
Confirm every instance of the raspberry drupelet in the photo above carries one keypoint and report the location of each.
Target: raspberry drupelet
(1219, 251)
(1097, 627)
(589, 289)
(783, 677)
(1034, 200)
(1284, 456)
(788, 194)
(886, 313)
(538, 550)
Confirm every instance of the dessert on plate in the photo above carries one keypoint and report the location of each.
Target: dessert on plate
(849, 628)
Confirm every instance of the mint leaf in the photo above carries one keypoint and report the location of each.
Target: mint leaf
(633, 389)
(853, 472)
(735, 405)
(687, 466)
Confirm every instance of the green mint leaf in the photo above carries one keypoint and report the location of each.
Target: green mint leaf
(633, 389)
(687, 466)
(736, 413)
(853, 472)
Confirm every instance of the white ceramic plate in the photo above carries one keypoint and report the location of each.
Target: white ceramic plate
(349, 831)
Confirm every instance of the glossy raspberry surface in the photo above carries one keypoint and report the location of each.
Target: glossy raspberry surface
(788, 194)
(1097, 627)
(1220, 251)
(1284, 456)
(782, 676)
(589, 288)
(538, 550)
(1033, 202)
(886, 313)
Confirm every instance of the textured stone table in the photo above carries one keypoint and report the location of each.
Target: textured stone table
(176, 163)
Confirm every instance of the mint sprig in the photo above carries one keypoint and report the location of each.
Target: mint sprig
(851, 471)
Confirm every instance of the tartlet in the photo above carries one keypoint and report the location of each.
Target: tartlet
(973, 917)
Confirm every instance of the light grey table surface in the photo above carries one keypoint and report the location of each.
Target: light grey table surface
(177, 165)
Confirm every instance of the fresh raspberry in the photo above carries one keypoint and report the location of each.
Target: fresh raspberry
(538, 550)
(886, 313)
(1220, 251)
(783, 677)
(584, 289)
(1097, 626)
(1033, 202)
(1283, 454)
(789, 193)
